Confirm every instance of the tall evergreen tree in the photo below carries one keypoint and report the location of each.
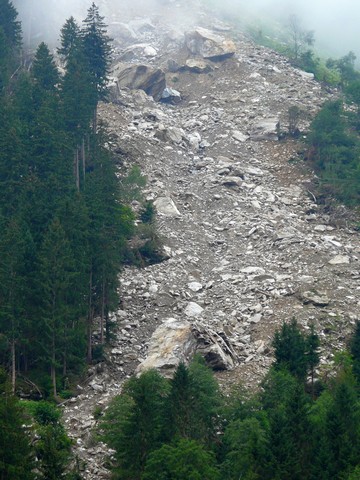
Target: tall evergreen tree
(97, 47)
(355, 351)
(290, 349)
(10, 40)
(16, 455)
(57, 274)
(69, 39)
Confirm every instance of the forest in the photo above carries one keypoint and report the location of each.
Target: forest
(65, 224)
(302, 423)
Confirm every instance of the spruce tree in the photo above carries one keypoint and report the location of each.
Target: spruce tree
(355, 351)
(16, 455)
(290, 349)
(97, 48)
(69, 39)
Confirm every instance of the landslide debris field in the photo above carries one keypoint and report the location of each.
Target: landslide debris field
(247, 244)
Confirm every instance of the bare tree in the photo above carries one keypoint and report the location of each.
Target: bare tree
(300, 39)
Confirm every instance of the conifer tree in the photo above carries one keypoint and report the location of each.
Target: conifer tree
(290, 350)
(97, 47)
(355, 351)
(16, 456)
(69, 39)
(57, 273)
(44, 70)
(10, 40)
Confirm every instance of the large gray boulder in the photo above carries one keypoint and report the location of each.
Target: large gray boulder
(178, 341)
(209, 45)
(171, 343)
(142, 77)
(266, 129)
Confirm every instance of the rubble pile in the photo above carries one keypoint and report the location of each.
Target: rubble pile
(248, 245)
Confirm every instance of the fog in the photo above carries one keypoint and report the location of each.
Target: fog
(334, 22)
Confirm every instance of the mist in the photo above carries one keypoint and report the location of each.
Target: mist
(334, 22)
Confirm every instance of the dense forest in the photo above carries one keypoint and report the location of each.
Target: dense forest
(300, 425)
(65, 225)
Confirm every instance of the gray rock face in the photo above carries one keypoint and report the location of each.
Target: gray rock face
(142, 77)
(209, 45)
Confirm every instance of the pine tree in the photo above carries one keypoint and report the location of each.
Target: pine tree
(134, 423)
(97, 47)
(52, 445)
(69, 39)
(185, 459)
(10, 41)
(44, 70)
(16, 456)
(12, 285)
(290, 350)
(57, 273)
(355, 352)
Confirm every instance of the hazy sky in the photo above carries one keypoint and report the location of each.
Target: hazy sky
(336, 22)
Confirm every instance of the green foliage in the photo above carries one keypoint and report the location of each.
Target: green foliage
(355, 351)
(334, 151)
(96, 45)
(133, 424)
(148, 212)
(16, 456)
(180, 428)
(247, 445)
(290, 350)
(183, 459)
(152, 411)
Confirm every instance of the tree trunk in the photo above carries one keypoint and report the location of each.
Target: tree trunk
(83, 157)
(53, 366)
(95, 119)
(77, 176)
(90, 321)
(102, 316)
(13, 366)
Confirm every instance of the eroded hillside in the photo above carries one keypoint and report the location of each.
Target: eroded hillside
(248, 245)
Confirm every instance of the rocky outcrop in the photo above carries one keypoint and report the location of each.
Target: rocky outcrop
(209, 45)
(142, 77)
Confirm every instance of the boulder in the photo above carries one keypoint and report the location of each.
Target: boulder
(171, 343)
(197, 65)
(121, 31)
(171, 134)
(193, 310)
(209, 45)
(239, 136)
(339, 260)
(165, 206)
(267, 129)
(170, 95)
(177, 341)
(142, 77)
(318, 299)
